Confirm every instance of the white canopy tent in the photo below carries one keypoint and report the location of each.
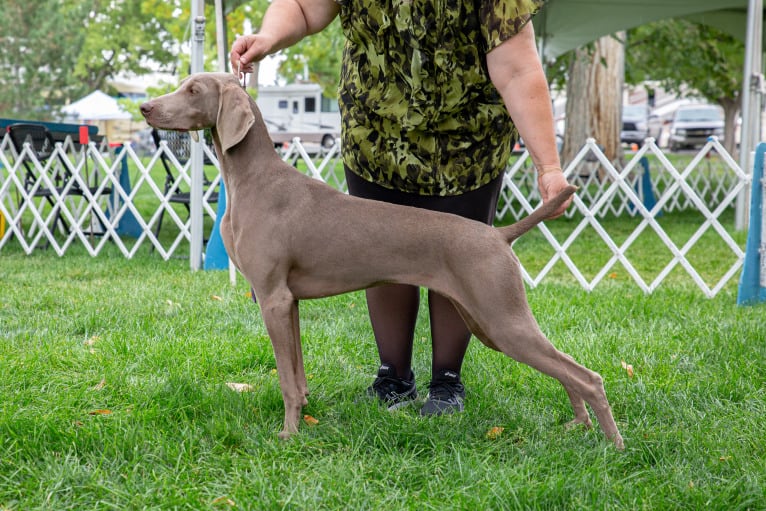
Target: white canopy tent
(96, 106)
(102, 110)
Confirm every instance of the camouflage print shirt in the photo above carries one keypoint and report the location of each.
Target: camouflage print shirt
(419, 111)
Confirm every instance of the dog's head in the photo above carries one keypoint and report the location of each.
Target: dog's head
(204, 100)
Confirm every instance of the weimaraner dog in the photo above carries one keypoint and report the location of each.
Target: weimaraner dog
(295, 238)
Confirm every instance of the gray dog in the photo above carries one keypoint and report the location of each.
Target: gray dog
(294, 238)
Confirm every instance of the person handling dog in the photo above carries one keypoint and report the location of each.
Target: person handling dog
(433, 95)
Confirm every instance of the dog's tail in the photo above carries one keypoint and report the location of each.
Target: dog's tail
(513, 231)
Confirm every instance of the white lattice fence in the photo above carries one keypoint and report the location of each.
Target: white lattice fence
(647, 187)
(123, 198)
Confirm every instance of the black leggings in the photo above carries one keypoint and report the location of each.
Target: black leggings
(393, 308)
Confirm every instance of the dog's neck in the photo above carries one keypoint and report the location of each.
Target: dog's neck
(236, 160)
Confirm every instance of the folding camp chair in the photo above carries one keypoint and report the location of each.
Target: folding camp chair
(179, 143)
(42, 145)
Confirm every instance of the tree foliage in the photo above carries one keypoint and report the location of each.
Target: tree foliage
(40, 43)
(320, 55)
(124, 37)
(53, 52)
(692, 60)
(686, 58)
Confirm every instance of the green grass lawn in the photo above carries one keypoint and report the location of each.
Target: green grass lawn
(113, 395)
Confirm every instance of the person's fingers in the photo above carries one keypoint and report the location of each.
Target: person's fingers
(244, 52)
(235, 56)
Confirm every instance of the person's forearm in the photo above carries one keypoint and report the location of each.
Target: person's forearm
(517, 73)
(529, 105)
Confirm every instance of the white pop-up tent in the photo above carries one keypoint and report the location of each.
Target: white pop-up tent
(102, 110)
(96, 106)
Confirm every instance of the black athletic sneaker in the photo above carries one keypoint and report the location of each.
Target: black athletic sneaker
(445, 394)
(394, 392)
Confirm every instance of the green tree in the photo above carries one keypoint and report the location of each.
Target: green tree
(40, 43)
(692, 60)
(123, 36)
(53, 52)
(320, 55)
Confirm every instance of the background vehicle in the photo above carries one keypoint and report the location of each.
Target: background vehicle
(638, 123)
(299, 110)
(693, 124)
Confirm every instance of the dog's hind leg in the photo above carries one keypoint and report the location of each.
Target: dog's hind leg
(280, 314)
(531, 347)
(520, 338)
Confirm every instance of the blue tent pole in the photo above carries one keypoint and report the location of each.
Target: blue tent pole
(752, 283)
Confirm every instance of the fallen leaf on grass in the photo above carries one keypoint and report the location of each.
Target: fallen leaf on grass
(613, 275)
(628, 368)
(100, 385)
(724, 458)
(224, 501)
(216, 298)
(249, 294)
(100, 412)
(495, 432)
(311, 421)
(240, 387)
(90, 342)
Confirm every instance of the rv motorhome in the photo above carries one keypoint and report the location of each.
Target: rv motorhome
(299, 110)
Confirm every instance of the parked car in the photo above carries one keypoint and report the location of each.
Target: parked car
(692, 125)
(638, 124)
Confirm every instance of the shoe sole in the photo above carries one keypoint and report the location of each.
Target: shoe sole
(448, 409)
(401, 404)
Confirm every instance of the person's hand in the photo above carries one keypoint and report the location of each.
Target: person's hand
(246, 50)
(551, 182)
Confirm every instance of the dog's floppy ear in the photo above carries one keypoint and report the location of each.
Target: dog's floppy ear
(234, 117)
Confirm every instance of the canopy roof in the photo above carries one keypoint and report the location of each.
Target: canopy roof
(568, 24)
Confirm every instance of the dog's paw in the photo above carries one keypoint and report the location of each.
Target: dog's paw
(577, 421)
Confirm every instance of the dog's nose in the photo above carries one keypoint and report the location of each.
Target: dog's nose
(146, 108)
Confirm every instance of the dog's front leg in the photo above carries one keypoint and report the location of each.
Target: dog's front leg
(280, 314)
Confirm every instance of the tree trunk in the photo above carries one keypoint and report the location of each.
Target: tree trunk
(577, 106)
(594, 97)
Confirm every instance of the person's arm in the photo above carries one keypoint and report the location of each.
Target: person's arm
(285, 23)
(517, 73)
